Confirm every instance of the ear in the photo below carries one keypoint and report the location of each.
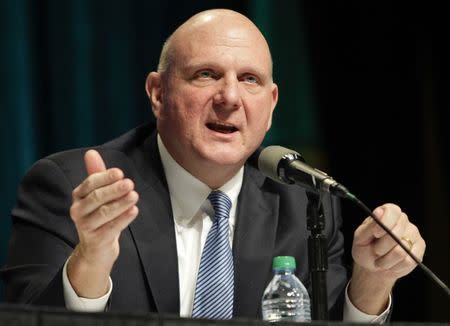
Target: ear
(153, 86)
(274, 103)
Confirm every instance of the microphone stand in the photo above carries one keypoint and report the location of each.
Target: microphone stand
(317, 256)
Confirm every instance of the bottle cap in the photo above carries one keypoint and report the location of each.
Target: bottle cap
(284, 262)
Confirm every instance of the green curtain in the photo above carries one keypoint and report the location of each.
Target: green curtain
(295, 123)
(284, 30)
(17, 129)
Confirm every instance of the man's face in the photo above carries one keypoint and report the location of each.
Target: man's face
(217, 98)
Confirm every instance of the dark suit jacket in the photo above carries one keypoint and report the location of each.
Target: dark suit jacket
(271, 221)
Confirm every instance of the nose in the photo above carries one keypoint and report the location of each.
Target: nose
(228, 95)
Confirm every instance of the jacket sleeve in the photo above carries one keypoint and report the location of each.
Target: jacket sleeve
(42, 237)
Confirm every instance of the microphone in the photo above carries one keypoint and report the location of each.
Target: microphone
(287, 166)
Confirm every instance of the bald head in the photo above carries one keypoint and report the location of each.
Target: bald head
(214, 23)
(213, 95)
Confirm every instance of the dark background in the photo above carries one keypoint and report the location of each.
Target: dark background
(361, 96)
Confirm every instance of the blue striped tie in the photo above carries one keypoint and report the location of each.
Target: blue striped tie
(214, 293)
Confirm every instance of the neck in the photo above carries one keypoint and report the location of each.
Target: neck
(213, 176)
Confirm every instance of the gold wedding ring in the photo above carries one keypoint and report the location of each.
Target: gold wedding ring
(409, 241)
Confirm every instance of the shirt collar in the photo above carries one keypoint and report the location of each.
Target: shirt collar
(188, 193)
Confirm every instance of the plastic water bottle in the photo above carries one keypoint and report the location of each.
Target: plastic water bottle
(285, 298)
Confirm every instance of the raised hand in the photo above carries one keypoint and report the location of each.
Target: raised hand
(103, 205)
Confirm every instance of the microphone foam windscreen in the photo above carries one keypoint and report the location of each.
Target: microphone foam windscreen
(269, 159)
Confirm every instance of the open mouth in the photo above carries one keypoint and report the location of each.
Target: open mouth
(221, 127)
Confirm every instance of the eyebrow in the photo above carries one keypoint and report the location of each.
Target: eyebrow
(196, 66)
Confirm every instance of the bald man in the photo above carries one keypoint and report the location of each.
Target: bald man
(123, 226)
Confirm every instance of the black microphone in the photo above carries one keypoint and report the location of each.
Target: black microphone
(287, 166)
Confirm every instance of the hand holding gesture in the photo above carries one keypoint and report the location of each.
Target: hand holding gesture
(379, 260)
(103, 205)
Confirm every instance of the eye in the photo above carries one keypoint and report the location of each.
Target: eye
(251, 79)
(205, 74)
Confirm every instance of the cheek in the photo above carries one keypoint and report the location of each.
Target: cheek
(259, 116)
(184, 108)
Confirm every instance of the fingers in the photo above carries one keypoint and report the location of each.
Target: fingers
(97, 180)
(101, 196)
(369, 230)
(118, 224)
(364, 233)
(385, 244)
(389, 217)
(392, 258)
(408, 264)
(94, 162)
(397, 258)
(105, 195)
(108, 212)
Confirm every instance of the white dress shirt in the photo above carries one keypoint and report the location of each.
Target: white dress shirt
(192, 213)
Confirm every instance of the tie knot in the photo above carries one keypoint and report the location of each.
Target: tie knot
(221, 204)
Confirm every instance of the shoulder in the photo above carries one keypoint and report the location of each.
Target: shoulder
(122, 144)
(115, 152)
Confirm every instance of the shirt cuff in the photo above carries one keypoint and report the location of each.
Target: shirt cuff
(351, 313)
(76, 303)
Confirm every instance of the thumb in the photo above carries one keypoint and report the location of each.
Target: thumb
(94, 162)
(364, 234)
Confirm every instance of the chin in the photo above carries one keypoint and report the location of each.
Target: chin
(226, 156)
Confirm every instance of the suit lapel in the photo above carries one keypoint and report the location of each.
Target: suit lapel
(153, 230)
(253, 245)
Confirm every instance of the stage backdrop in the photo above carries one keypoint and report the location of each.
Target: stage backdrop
(360, 97)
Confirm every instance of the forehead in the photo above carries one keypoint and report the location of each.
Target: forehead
(239, 44)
